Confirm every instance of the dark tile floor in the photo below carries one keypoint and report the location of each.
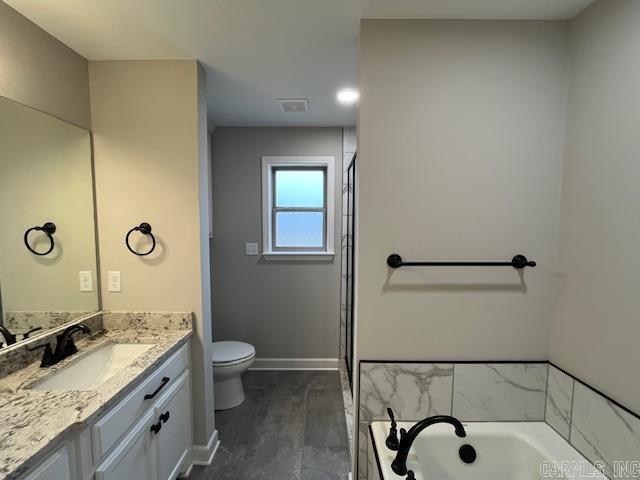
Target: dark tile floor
(290, 427)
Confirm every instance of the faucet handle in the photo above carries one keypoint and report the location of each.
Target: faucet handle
(47, 358)
(392, 441)
(411, 475)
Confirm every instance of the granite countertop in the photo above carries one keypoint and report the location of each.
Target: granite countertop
(34, 422)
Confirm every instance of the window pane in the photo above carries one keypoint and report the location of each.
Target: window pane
(299, 229)
(300, 188)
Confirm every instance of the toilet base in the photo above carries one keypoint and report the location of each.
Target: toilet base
(228, 393)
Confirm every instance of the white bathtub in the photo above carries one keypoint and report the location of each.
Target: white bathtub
(505, 451)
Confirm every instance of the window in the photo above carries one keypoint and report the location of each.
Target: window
(298, 198)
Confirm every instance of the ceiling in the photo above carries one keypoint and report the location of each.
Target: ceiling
(257, 51)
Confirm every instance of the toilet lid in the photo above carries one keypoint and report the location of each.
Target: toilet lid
(225, 352)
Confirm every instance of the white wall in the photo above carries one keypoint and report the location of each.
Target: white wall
(40, 71)
(149, 130)
(284, 309)
(595, 326)
(461, 141)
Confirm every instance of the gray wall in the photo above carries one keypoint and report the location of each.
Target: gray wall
(460, 149)
(285, 309)
(595, 326)
(40, 71)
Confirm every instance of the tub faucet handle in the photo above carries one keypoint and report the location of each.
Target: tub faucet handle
(411, 475)
(392, 441)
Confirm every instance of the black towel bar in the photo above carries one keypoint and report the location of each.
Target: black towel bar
(519, 261)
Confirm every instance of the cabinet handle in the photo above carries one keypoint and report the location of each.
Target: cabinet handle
(149, 396)
(165, 416)
(156, 427)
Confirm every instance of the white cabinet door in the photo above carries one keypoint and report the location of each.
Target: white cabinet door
(57, 465)
(135, 456)
(173, 410)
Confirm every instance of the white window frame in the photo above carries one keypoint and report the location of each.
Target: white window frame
(269, 164)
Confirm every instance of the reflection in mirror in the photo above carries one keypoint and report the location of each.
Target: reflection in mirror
(47, 236)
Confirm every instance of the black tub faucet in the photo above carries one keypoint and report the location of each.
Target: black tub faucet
(399, 465)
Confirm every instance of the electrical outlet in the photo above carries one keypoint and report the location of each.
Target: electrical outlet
(251, 249)
(86, 281)
(114, 281)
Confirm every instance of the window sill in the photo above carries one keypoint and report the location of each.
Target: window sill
(299, 256)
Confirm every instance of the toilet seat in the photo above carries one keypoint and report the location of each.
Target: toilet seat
(229, 353)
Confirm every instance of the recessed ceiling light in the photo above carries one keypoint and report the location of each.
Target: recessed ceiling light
(348, 96)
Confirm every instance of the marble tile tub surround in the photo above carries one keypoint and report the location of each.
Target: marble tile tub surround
(469, 391)
(500, 392)
(34, 422)
(599, 428)
(559, 400)
(606, 433)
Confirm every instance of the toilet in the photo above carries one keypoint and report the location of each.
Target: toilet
(230, 360)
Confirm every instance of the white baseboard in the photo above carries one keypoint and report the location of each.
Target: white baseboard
(295, 364)
(203, 454)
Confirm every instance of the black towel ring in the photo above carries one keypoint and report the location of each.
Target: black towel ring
(145, 229)
(49, 229)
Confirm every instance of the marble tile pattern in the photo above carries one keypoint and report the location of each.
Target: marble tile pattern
(559, 399)
(347, 399)
(34, 422)
(413, 390)
(602, 431)
(363, 450)
(500, 391)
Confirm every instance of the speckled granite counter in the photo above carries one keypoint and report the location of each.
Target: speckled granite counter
(33, 422)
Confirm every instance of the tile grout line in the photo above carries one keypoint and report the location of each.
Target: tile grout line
(546, 396)
(453, 384)
(573, 399)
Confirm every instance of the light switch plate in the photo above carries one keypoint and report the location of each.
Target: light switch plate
(86, 281)
(114, 281)
(251, 249)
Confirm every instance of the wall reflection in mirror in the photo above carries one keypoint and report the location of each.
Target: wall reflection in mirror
(48, 273)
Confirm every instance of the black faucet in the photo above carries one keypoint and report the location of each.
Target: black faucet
(9, 338)
(26, 335)
(399, 465)
(64, 342)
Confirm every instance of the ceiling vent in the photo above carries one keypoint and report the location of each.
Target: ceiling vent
(294, 105)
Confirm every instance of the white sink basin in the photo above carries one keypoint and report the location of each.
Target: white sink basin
(92, 370)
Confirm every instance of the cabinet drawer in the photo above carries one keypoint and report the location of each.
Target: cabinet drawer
(107, 430)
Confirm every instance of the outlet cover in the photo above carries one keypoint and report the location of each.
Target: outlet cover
(251, 249)
(114, 281)
(86, 281)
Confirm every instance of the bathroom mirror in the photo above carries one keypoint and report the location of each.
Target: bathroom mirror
(48, 273)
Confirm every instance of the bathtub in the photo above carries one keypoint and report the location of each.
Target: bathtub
(505, 451)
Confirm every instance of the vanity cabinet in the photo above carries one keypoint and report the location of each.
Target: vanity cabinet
(134, 457)
(174, 438)
(58, 465)
(145, 436)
